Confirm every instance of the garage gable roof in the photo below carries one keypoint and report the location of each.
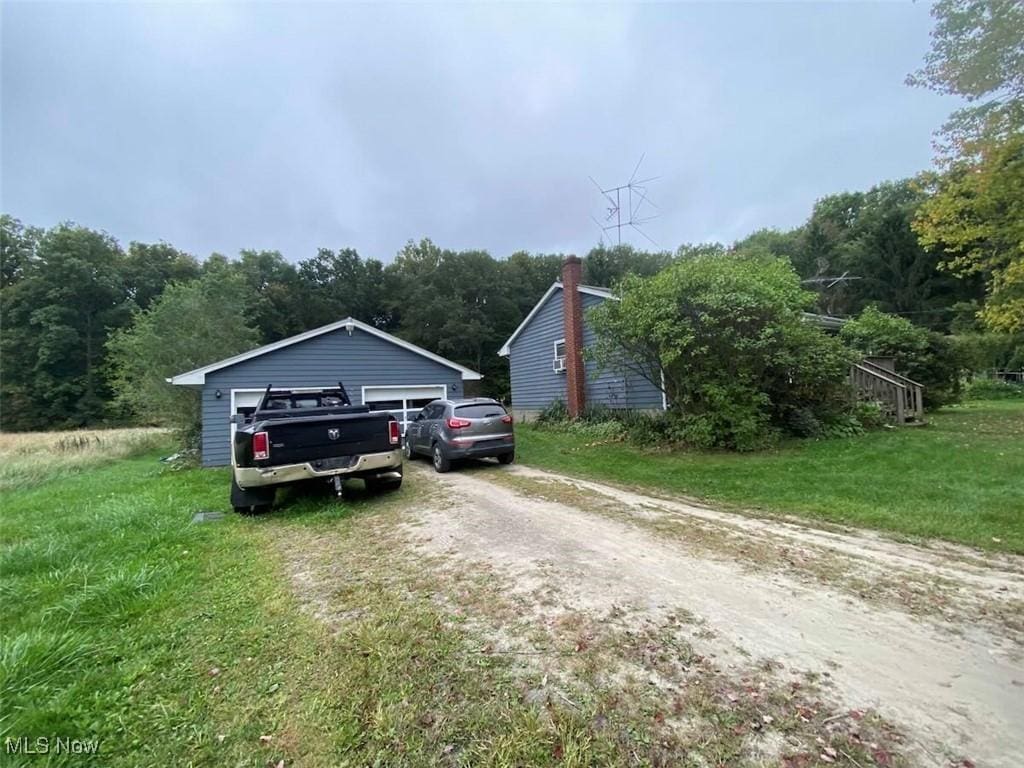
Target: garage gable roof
(590, 290)
(198, 376)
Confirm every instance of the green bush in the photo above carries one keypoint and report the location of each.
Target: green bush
(726, 334)
(991, 351)
(993, 389)
(556, 412)
(928, 358)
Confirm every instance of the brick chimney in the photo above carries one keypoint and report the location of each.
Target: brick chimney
(572, 320)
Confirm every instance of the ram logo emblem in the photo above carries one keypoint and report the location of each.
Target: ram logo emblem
(333, 433)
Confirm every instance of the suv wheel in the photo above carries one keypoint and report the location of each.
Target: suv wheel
(506, 458)
(407, 450)
(441, 462)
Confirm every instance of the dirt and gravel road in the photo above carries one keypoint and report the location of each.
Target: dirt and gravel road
(929, 637)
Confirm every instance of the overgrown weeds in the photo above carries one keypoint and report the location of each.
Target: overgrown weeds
(30, 458)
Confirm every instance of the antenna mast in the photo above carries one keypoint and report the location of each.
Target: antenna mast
(639, 208)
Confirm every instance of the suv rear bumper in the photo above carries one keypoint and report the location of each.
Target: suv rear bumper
(479, 451)
(367, 464)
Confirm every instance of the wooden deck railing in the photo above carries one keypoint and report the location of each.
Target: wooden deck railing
(903, 398)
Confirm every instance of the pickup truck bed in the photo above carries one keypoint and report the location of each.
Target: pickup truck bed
(292, 438)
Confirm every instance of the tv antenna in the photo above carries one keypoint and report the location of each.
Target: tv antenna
(627, 205)
(831, 282)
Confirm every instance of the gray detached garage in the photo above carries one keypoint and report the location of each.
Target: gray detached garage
(378, 370)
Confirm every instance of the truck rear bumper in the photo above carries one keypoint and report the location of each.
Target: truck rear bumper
(367, 464)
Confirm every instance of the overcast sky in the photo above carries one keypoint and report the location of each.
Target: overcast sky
(293, 126)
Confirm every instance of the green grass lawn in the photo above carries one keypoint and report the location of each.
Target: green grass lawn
(168, 642)
(961, 478)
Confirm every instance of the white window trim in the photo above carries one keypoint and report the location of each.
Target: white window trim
(556, 356)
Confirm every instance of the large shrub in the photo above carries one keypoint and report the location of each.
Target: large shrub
(724, 335)
(990, 351)
(929, 358)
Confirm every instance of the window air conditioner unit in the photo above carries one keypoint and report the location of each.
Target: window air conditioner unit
(558, 365)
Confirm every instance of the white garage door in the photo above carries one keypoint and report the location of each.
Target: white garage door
(403, 401)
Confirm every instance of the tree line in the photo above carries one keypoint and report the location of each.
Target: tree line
(90, 328)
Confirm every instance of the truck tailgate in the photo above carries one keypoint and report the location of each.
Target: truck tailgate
(307, 439)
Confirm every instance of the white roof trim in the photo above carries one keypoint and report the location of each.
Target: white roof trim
(198, 376)
(591, 290)
(604, 293)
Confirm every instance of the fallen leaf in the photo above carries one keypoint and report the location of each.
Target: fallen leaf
(881, 757)
(266, 739)
(214, 671)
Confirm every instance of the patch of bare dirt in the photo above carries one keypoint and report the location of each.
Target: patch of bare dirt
(954, 684)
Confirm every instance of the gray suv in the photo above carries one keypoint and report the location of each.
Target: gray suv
(449, 430)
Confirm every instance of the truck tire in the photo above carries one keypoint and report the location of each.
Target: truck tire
(407, 450)
(254, 501)
(441, 462)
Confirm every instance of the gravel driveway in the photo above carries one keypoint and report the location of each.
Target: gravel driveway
(928, 636)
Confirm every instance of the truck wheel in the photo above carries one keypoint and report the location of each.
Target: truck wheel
(254, 501)
(441, 462)
(506, 458)
(407, 450)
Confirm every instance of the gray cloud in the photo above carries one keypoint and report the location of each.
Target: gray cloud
(292, 126)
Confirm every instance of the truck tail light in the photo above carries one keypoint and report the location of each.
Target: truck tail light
(260, 446)
(393, 432)
(506, 419)
(454, 423)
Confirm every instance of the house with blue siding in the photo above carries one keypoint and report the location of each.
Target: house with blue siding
(378, 369)
(547, 361)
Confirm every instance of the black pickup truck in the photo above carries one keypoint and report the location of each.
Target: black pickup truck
(311, 435)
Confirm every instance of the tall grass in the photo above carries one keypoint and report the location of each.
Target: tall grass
(30, 458)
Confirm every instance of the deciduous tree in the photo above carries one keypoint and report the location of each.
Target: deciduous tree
(190, 325)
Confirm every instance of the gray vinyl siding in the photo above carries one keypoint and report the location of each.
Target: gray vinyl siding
(359, 360)
(614, 386)
(535, 385)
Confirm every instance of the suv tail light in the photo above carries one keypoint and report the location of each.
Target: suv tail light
(393, 432)
(454, 423)
(506, 419)
(260, 446)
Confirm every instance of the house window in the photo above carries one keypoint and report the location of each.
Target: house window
(558, 363)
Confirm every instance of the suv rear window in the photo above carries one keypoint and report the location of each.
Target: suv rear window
(484, 411)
